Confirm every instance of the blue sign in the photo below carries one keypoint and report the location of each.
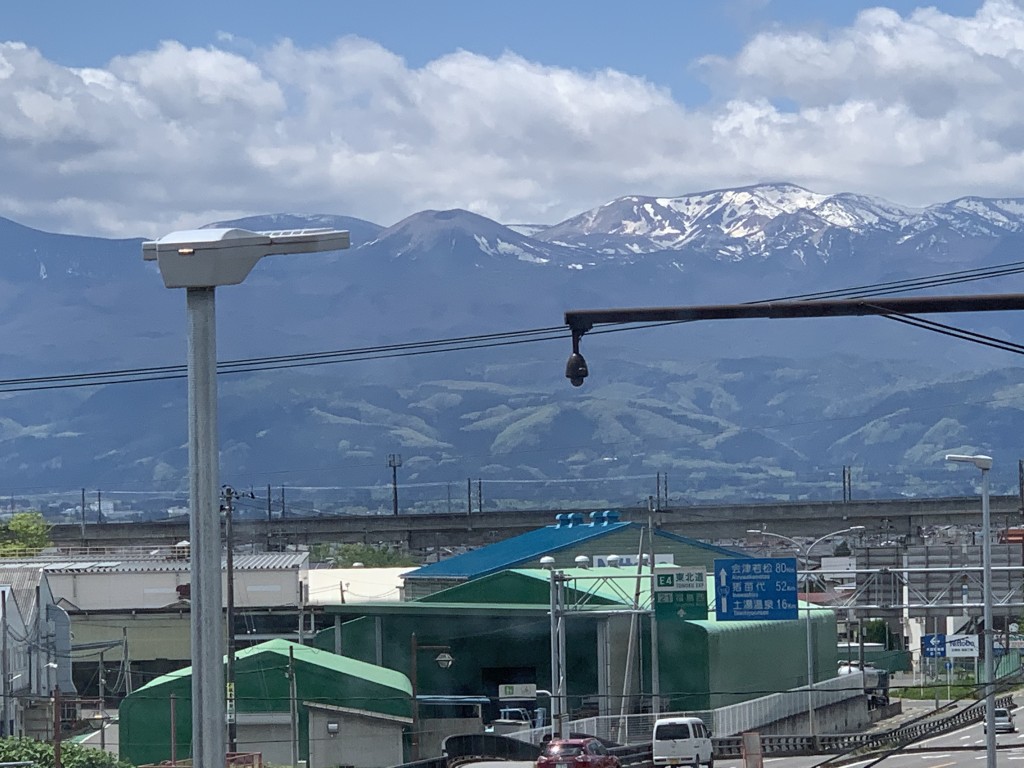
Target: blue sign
(933, 646)
(756, 589)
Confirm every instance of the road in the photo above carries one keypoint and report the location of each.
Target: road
(959, 749)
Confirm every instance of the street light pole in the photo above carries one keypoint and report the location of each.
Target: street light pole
(200, 261)
(984, 463)
(806, 551)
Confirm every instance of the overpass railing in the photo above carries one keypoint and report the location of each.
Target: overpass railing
(724, 721)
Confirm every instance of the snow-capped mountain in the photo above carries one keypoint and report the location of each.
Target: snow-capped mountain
(759, 221)
(709, 401)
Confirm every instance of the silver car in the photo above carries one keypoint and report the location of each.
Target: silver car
(1003, 721)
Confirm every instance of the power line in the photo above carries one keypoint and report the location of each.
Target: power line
(456, 343)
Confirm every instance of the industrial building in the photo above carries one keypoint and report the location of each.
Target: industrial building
(290, 701)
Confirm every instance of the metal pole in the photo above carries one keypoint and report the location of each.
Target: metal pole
(563, 684)
(204, 527)
(293, 708)
(414, 740)
(270, 519)
(6, 730)
(56, 728)
(655, 652)
(986, 567)
(174, 737)
(232, 733)
(810, 675)
(103, 702)
(556, 715)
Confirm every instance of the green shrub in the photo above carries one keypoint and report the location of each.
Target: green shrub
(71, 755)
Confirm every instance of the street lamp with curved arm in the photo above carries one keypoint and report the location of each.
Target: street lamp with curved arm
(805, 550)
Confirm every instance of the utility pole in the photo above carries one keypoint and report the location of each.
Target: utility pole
(83, 517)
(103, 702)
(479, 495)
(126, 659)
(5, 667)
(232, 736)
(469, 496)
(270, 519)
(394, 461)
(293, 709)
(99, 506)
(56, 728)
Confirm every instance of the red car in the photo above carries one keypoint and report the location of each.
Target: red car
(576, 753)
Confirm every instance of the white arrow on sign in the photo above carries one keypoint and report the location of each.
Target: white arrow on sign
(721, 577)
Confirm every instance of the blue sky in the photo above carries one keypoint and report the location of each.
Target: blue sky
(128, 118)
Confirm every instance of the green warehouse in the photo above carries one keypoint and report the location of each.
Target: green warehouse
(348, 712)
(497, 630)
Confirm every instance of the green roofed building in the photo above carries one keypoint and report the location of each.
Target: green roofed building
(349, 712)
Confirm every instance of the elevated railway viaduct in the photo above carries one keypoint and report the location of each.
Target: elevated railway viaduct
(430, 532)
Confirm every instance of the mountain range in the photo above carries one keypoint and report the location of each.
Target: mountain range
(724, 410)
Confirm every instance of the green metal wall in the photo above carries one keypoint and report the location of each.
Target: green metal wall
(488, 650)
(261, 686)
(707, 664)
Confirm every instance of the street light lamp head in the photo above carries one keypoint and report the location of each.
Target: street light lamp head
(981, 461)
(207, 258)
(754, 531)
(444, 660)
(855, 528)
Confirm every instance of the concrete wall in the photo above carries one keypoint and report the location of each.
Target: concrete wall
(362, 742)
(133, 590)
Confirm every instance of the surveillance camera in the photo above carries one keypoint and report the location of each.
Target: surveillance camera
(576, 369)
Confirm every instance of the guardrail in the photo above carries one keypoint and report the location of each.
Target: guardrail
(840, 743)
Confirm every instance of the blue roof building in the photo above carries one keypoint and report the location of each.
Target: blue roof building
(601, 537)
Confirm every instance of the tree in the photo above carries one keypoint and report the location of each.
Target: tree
(345, 555)
(26, 533)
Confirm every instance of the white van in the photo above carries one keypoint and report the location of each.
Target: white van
(682, 741)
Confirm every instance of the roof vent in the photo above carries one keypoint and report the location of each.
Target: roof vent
(596, 517)
(610, 516)
(575, 518)
(613, 561)
(582, 561)
(562, 520)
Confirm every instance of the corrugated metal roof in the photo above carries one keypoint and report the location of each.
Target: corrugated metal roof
(330, 662)
(519, 549)
(23, 582)
(260, 562)
(529, 546)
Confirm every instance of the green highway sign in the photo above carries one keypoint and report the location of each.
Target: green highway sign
(680, 594)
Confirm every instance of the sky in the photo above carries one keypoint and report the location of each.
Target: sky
(128, 119)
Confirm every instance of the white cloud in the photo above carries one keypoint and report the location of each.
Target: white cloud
(916, 109)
